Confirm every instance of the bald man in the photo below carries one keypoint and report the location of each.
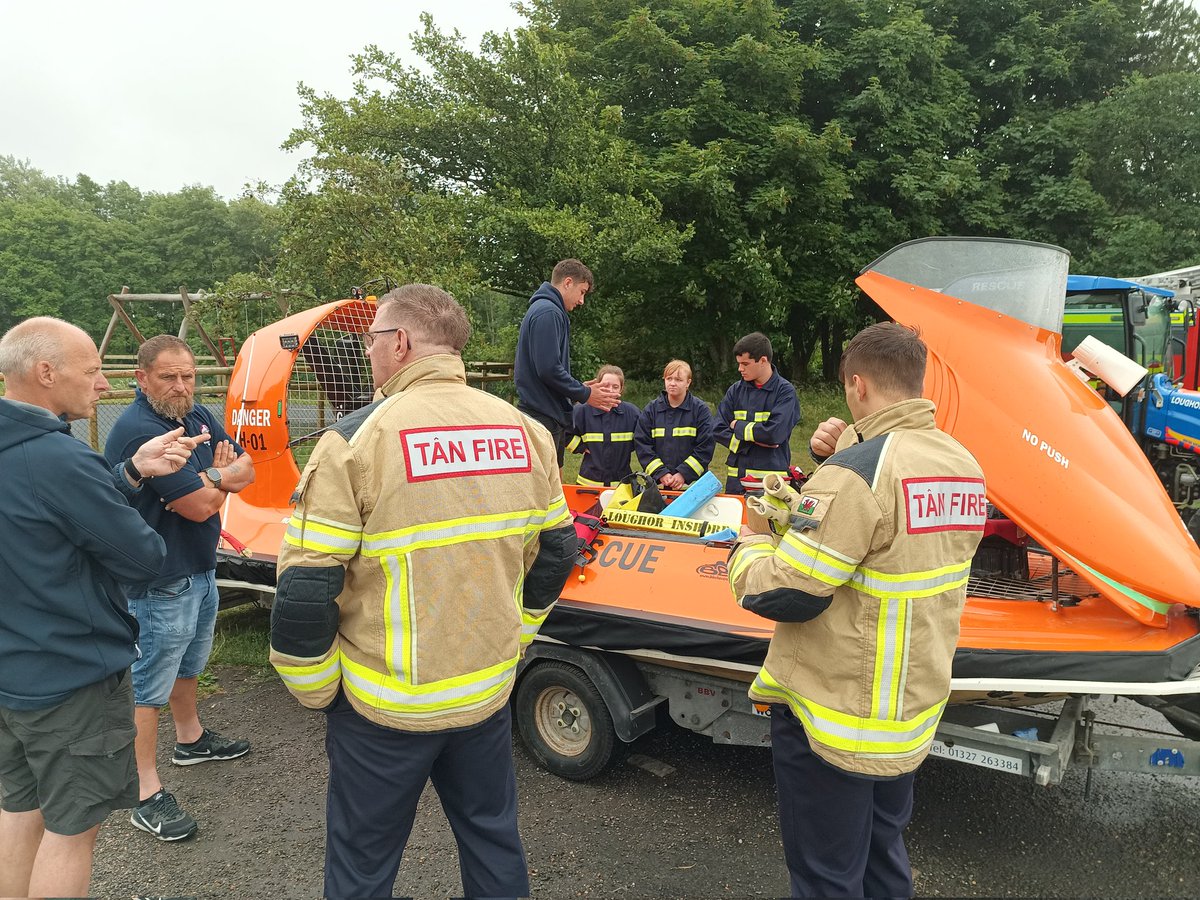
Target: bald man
(71, 540)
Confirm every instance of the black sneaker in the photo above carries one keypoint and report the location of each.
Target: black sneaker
(162, 817)
(211, 746)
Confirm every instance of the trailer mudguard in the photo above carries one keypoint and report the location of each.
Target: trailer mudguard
(630, 703)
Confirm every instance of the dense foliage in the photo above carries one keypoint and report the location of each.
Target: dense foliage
(65, 246)
(723, 165)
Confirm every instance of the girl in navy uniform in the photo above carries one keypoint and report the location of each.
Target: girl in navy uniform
(604, 438)
(674, 434)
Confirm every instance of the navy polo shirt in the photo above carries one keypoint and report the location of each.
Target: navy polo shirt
(191, 546)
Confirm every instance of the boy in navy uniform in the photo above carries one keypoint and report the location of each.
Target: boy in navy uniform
(756, 418)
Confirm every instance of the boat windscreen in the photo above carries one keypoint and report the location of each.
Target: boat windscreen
(1021, 279)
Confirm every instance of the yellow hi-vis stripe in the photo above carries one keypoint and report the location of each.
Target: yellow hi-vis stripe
(890, 662)
(311, 677)
(746, 555)
(461, 692)
(694, 464)
(867, 736)
(655, 465)
(322, 535)
(530, 625)
(815, 560)
(620, 436)
(658, 432)
(683, 432)
(573, 443)
(399, 621)
(927, 583)
(587, 482)
(464, 529)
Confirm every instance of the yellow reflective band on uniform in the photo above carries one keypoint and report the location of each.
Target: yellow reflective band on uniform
(621, 436)
(911, 584)
(587, 482)
(399, 622)
(891, 663)
(734, 443)
(555, 515)
(573, 443)
(740, 413)
(694, 464)
(530, 625)
(594, 437)
(453, 531)
(760, 474)
(312, 677)
(655, 465)
(462, 692)
(748, 434)
(683, 432)
(322, 535)
(746, 554)
(853, 734)
(813, 559)
(658, 432)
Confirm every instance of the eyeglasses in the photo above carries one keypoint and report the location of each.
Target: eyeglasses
(368, 337)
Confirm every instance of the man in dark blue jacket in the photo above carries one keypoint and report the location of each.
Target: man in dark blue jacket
(66, 641)
(756, 418)
(177, 612)
(546, 388)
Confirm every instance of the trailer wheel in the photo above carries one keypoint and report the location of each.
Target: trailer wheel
(564, 722)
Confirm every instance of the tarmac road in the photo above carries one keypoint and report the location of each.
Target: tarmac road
(703, 826)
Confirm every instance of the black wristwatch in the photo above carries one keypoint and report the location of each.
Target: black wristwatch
(214, 475)
(133, 473)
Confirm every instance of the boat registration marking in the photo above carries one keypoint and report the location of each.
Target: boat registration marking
(985, 758)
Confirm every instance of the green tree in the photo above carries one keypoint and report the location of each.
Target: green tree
(472, 171)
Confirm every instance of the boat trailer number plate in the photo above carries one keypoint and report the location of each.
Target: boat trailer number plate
(985, 758)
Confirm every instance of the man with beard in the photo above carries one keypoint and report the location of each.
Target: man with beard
(178, 611)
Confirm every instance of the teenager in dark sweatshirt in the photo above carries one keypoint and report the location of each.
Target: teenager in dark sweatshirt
(546, 389)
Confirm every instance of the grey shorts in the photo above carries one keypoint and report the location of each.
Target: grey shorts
(75, 760)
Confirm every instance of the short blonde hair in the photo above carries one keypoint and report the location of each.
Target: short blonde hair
(429, 312)
(674, 366)
(611, 370)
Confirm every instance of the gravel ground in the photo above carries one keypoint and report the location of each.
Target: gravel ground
(702, 824)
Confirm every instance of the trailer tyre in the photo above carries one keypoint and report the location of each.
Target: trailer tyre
(563, 721)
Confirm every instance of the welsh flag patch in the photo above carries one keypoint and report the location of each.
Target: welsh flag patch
(808, 505)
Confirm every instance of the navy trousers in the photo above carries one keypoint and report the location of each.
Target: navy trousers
(843, 834)
(376, 776)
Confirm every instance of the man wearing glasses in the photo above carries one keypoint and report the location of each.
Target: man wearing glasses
(429, 541)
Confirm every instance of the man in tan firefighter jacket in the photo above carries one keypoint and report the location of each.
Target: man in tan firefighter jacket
(429, 541)
(867, 586)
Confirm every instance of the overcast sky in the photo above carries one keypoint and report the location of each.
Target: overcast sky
(164, 94)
